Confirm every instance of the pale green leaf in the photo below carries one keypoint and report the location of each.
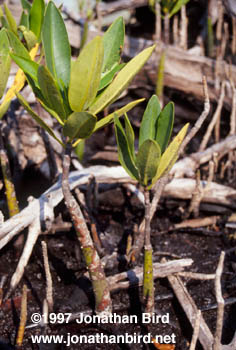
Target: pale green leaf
(36, 17)
(121, 81)
(10, 19)
(85, 75)
(130, 136)
(170, 155)
(119, 112)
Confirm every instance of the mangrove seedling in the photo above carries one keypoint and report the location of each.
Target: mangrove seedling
(153, 160)
(74, 93)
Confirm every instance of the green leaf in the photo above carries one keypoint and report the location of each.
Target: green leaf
(170, 155)
(17, 47)
(5, 61)
(28, 66)
(36, 17)
(86, 75)
(36, 117)
(119, 112)
(148, 124)
(26, 5)
(121, 81)
(56, 45)
(147, 161)
(79, 125)
(130, 136)
(10, 19)
(4, 22)
(125, 157)
(164, 126)
(50, 91)
(108, 77)
(113, 41)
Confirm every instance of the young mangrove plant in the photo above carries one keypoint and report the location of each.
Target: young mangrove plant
(74, 93)
(153, 160)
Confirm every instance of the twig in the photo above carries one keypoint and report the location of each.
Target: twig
(233, 110)
(49, 286)
(195, 331)
(200, 120)
(220, 303)
(214, 120)
(197, 276)
(34, 231)
(23, 318)
(184, 29)
(190, 308)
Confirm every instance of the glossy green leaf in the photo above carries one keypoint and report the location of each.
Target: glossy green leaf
(5, 61)
(130, 135)
(36, 117)
(56, 45)
(36, 17)
(17, 47)
(108, 77)
(86, 75)
(125, 157)
(113, 41)
(79, 125)
(121, 81)
(26, 5)
(50, 91)
(170, 155)
(147, 161)
(148, 124)
(10, 19)
(164, 126)
(119, 112)
(28, 66)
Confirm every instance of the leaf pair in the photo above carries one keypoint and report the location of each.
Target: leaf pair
(171, 7)
(154, 158)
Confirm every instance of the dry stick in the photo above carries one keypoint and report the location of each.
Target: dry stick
(233, 110)
(158, 22)
(184, 29)
(93, 262)
(200, 120)
(166, 29)
(23, 318)
(224, 40)
(233, 44)
(190, 308)
(49, 286)
(33, 233)
(218, 113)
(214, 120)
(220, 303)
(195, 331)
(197, 276)
(219, 27)
(176, 31)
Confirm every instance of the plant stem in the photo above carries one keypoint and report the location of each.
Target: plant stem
(96, 272)
(148, 285)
